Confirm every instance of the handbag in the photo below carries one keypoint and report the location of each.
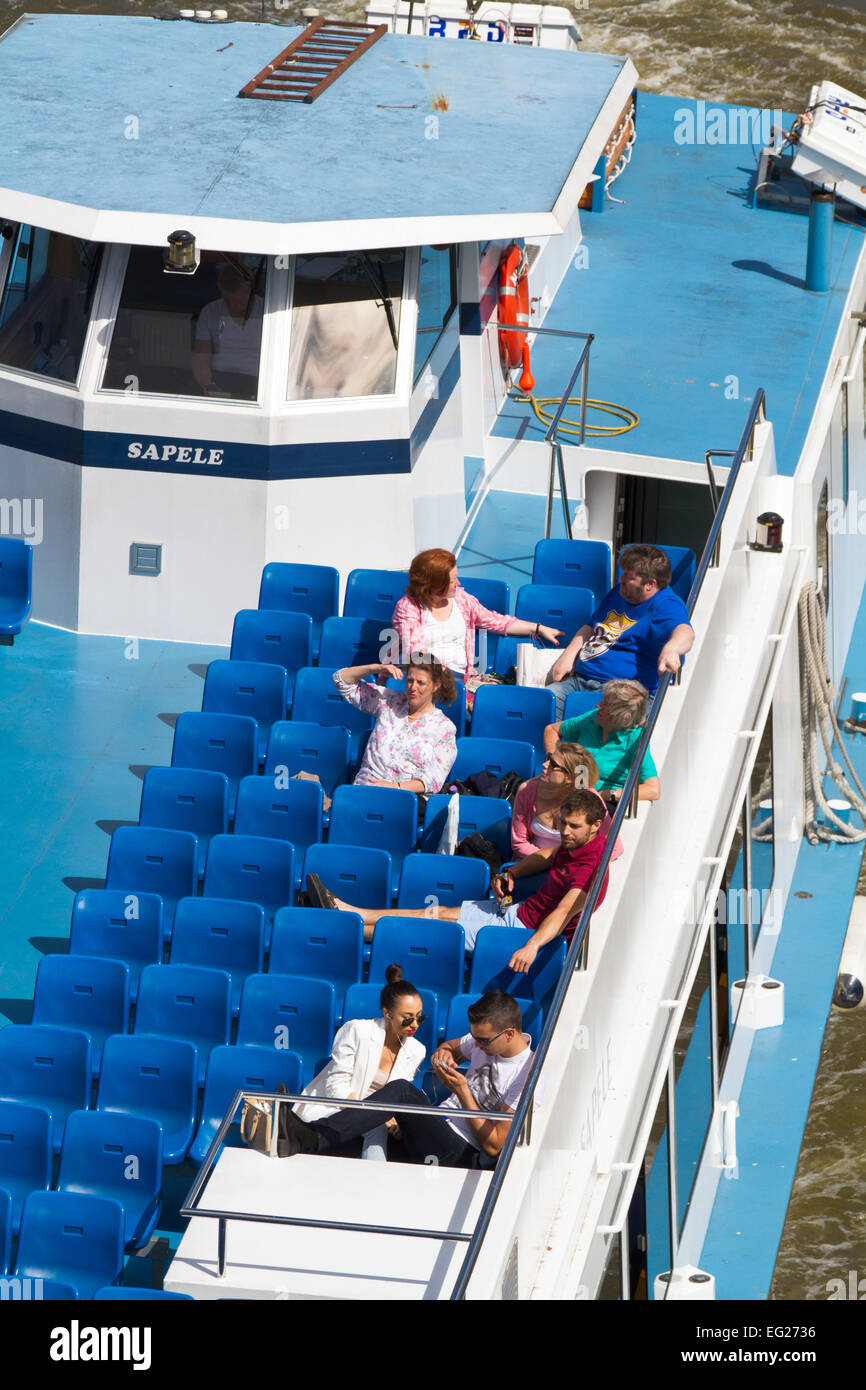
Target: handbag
(257, 1124)
(475, 846)
(534, 662)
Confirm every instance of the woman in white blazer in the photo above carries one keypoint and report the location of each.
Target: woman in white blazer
(368, 1052)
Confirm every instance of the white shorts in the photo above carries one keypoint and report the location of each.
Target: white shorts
(476, 913)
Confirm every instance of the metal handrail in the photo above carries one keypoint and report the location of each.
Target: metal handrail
(578, 949)
(551, 437)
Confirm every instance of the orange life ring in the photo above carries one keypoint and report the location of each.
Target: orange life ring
(513, 307)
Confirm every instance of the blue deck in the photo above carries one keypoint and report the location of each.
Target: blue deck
(696, 299)
(408, 131)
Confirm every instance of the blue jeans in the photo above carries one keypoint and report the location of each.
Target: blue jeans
(562, 689)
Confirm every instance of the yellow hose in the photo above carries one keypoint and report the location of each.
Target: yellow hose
(621, 412)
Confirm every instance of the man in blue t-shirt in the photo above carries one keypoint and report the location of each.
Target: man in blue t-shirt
(639, 630)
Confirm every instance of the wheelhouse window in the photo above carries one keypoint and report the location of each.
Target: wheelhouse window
(46, 303)
(345, 324)
(437, 297)
(189, 335)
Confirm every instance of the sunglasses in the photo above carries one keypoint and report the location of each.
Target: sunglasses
(557, 767)
(411, 1018)
(485, 1042)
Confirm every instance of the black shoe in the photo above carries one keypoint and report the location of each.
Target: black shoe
(296, 1137)
(318, 894)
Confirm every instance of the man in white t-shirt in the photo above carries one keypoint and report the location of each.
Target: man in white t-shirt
(499, 1055)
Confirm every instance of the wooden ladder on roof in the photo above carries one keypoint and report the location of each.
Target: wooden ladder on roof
(314, 60)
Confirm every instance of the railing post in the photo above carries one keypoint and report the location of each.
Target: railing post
(221, 1247)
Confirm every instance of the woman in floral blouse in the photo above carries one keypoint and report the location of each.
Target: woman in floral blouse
(413, 744)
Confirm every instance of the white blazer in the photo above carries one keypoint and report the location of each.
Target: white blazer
(354, 1063)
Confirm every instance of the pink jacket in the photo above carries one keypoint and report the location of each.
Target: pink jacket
(408, 621)
(522, 817)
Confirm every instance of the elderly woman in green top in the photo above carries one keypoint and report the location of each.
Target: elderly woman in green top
(611, 734)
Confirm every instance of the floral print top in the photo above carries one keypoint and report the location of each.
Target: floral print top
(400, 751)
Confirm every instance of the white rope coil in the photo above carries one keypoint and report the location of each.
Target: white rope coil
(816, 708)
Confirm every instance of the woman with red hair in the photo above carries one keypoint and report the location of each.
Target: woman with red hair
(437, 616)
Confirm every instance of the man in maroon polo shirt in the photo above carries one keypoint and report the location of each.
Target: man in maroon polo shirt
(551, 909)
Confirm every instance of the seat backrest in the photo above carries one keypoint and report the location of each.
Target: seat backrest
(16, 584)
(321, 943)
(144, 1074)
(43, 1065)
(121, 926)
(273, 636)
(445, 880)
(218, 742)
(291, 812)
(377, 817)
(72, 1234)
(25, 1148)
(582, 563)
(147, 859)
(512, 711)
(493, 594)
(96, 1148)
(494, 947)
(362, 1001)
(295, 588)
(318, 701)
(233, 1069)
(374, 594)
(297, 745)
(481, 815)
(185, 798)
(580, 702)
(458, 1026)
(556, 605)
(359, 876)
(85, 992)
(187, 1002)
(352, 641)
(248, 688)
(251, 868)
(496, 755)
(683, 567)
(219, 934)
(289, 1013)
(5, 1229)
(431, 953)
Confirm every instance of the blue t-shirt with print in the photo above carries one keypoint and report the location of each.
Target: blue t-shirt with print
(627, 638)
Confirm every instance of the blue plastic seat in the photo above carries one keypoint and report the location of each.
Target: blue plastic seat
(250, 689)
(362, 1001)
(220, 934)
(455, 711)
(513, 711)
(581, 563)
(352, 642)
(683, 566)
(361, 877)
(297, 745)
(5, 1229)
(117, 1293)
(294, 588)
(457, 1025)
(482, 815)
(145, 859)
(217, 743)
(280, 808)
(121, 926)
(276, 638)
(432, 953)
(84, 993)
(377, 818)
(16, 586)
(495, 595)
(494, 947)
(25, 1153)
(71, 1237)
(374, 594)
(580, 702)
(97, 1159)
(186, 798)
(47, 1067)
(323, 944)
(289, 1013)
(496, 755)
(233, 1069)
(446, 879)
(556, 605)
(154, 1077)
(187, 1002)
(251, 869)
(318, 701)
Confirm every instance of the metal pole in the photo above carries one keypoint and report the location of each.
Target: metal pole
(563, 490)
(548, 518)
(747, 880)
(221, 1247)
(624, 1265)
(714, 1013)
(584, 387)
(672, 1162)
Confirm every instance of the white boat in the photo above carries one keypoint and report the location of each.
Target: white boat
(371, 418)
